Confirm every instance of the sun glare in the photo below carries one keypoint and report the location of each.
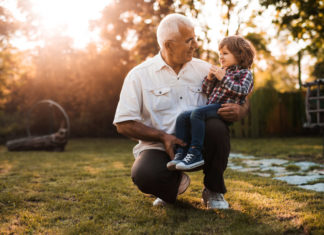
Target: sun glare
(71, 17)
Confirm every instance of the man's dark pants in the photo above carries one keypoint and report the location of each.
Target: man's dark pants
(151, 176)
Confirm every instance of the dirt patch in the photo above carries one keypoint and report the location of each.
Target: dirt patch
(118, 165)
(92, 170)
(5, 168)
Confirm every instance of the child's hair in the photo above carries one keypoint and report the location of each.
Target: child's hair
(241, 48)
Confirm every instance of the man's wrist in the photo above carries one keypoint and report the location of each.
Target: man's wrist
(162, 136)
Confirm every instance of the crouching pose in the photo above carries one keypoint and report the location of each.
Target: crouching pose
(154, 93)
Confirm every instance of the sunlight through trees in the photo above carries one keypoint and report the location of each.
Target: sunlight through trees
(41, 56)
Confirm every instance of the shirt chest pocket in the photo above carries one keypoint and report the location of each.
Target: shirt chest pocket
(196, 96)
(160, 98)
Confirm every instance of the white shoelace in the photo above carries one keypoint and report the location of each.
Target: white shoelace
(188, 158)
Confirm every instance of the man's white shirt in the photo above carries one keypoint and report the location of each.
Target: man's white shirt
(155, 95)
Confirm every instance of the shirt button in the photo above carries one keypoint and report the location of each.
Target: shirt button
(180, 97)
(178, 78)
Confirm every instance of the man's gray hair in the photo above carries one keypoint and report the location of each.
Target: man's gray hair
(169, 27)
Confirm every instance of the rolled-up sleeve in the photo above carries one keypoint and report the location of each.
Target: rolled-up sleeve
(130, 101)
(208, 86)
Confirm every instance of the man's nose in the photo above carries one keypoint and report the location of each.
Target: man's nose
(194, 44)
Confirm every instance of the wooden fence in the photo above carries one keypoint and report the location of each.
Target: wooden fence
(272, 114)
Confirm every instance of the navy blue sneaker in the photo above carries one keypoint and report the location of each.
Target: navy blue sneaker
(178, 157)
(192, 160)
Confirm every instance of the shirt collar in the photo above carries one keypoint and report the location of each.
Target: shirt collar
(234, 67)
(159, 62)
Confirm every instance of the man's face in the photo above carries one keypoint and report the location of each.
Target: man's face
(183, 46)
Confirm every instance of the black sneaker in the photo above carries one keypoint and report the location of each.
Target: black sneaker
(178, 157)
(192, 160)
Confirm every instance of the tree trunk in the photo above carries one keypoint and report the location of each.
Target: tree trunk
(53, 142)
(300, 55)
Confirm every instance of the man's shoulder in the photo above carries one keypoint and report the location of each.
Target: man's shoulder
(200, 65)
(147, 64)
(137, 71)
(199, 61)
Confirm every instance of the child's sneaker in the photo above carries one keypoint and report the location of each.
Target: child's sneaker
(193, 160)
(178, 157)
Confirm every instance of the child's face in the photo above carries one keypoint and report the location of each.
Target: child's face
(226, 58)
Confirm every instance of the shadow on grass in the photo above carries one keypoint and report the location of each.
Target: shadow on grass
(189, 217)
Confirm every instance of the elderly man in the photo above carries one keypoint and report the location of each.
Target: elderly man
(153, 94)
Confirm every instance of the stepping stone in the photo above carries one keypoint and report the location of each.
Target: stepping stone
(241, 156)
(272, 161)
(253, 163)
(315, 187)
(304, 166)
(262, 174)
(298, 179)
(278, 167)
(247, 169)
(234, 167)
(275, 169)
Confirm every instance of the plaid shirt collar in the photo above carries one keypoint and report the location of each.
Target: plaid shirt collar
(234, 68)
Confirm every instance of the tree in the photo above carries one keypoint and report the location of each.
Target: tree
(304, 20)
(319, 70)
(8, 25)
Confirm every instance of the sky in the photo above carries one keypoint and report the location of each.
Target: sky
(72, 16)
(56, 14)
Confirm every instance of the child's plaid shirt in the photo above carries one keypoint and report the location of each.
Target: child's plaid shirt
(233, 88)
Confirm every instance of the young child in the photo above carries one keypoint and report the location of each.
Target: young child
(229, 84)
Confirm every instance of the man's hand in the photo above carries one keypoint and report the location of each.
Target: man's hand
(233, 112)
(169, 142)
(140, 131)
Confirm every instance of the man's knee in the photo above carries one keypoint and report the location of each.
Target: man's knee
(142, 175)
(149, 168)
(216, 128)
(217, 139)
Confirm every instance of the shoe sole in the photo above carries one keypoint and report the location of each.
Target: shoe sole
(161, 203)
(187, 180)
(211, 208)
(172, 165)
(190, 167)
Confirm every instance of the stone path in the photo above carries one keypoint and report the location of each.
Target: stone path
(306, 175)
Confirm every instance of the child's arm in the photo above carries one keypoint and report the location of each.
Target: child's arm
(209, 82)
(240, 83)
(208, 86)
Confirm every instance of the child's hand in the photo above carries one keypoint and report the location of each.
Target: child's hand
(219, 73)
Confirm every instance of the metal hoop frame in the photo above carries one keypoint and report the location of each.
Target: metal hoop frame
(51, 103)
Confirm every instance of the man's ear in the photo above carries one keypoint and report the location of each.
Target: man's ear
(168, 45)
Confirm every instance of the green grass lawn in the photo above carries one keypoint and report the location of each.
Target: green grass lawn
(87, 189)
